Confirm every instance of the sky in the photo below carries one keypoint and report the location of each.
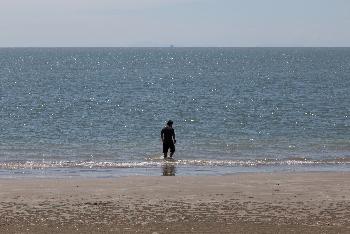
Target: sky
(233, 23)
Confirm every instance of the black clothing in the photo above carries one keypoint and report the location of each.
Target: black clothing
(167, 146)
(168, 136)
(168, 133)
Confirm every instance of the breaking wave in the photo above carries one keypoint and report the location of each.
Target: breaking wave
(156, 162)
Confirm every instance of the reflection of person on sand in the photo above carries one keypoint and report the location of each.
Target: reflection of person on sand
(168, 138)
(169, 169)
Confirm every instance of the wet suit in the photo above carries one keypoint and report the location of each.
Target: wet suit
(168, 138)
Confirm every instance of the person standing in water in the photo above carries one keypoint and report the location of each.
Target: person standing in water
(168, 138)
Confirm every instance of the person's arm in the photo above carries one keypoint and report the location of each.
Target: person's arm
(162, 135)
(174, 136)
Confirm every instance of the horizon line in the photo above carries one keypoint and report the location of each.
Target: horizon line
(172, 46)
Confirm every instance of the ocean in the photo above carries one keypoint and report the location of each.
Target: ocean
(98, 112)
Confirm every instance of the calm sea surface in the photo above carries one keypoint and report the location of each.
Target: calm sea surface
(99, 111)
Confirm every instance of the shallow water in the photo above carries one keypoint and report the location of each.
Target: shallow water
(235, 109)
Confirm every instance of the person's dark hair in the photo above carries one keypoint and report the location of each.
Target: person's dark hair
(170, 122)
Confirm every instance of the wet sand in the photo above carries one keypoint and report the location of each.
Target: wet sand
(315, 202)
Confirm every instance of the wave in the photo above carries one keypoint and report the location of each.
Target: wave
(156, 162)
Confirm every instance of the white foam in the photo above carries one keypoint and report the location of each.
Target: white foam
(156, 162)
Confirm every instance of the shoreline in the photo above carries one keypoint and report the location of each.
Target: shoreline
(279, 202)
(163, 169)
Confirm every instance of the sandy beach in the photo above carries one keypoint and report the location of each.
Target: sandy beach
(313, 202)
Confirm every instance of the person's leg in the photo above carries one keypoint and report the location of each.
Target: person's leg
(172, 150)
(165, 150)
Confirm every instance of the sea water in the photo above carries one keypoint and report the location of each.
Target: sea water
(99, 111)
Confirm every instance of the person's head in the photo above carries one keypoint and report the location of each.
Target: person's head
(170, 123)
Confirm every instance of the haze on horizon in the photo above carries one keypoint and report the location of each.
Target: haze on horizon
(55, 23)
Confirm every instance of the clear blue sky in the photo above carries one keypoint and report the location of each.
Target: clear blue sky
(177, 22)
